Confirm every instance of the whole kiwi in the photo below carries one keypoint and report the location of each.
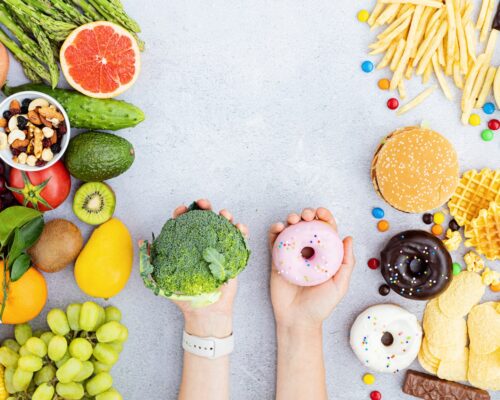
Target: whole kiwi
(59, 245)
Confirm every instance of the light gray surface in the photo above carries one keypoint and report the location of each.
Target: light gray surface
(261, 107)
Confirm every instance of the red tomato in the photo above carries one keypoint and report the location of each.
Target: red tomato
(43, 190)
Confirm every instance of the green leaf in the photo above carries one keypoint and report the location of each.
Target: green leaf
(215, 262)
(12, 218)
(25, 237)
(20, 266)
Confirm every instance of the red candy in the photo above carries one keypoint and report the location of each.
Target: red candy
(375, 395)
(392, 103)
(373, 263)
(494, 124)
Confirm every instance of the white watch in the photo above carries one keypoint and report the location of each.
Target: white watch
(208, 347)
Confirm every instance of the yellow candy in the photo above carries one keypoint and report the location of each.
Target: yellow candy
(438, 218)
(368, 379)
(475, 120)
(363, 16)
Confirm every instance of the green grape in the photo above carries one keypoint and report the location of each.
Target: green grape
(109, 332)
(117, 346)
(22, 333)
(70, 391)
(110, 394)
(89, 316)
(101, 367)
(58, 322)
(11, 344)
(102, 317)
(44, 392)
(67, 372)
(85, 373)
(45, 375)
(113, 314)
(8, 378)
(57, 348)
(37, 333)
(46, 337)
(104, 353)
(36, 346)
(65, 358)
(8, 357)
(73, 314)
(21, 380)
(81, 349)
(99, 383)
(30, 363)
(124, 335)
(23, 351)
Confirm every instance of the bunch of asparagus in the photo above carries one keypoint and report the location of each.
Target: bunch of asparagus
(38, 28)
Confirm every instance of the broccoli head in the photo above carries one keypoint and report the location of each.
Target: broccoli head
(194, 255)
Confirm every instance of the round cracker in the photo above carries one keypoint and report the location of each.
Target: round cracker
(425, 364)
(465, 291)
(484, 328)
(455, 369)
(428, 353)
(484, 370)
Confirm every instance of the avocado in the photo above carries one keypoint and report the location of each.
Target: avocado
(98, 156)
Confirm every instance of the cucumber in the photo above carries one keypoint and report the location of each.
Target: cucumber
(86, 112)
(98, 156)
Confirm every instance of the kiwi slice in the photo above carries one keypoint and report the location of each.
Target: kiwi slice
(94, 203)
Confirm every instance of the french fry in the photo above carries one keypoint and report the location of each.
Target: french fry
(440, 77)
(452, 28)
(421, 29)
(433, 21)
(425, 44)
(396, 24)
(387, 58)
(432, 48)
(397, 55)
(482, 14)
(486, 89)
(462, 43)
(487, 21)
(379, 47)
(427, 3)
(409, 71)
(379, 8)
(402, 90)
(471, 78)
(457, 76)
(490, 46)
(496, 87)
(470, 37)
(386, 14)
(441, 58)
(396, 32)
(427, 74)
(417, 100)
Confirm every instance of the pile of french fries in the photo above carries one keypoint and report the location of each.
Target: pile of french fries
(440, 38)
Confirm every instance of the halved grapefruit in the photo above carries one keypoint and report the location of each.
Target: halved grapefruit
(100, 59)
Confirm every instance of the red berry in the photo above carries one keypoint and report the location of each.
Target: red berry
(494, 124)
(392, 103)
(373, 263)
(375, 395)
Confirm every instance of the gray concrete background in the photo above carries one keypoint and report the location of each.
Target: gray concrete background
(260, 106)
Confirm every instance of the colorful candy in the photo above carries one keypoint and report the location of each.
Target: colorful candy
(368, 379)
(487, 135)
(375, 395)
(437, 230)
(457, 268)
(384, 290)
(384, 84)
(363, 16)
(489, 108)
(495, 288)
(367, 66)
(383, 226)
(453, 225)
(373, 263)
(494, 124)
(378, 213)
(475, 120)
(427, 218)
(392, 104)
(438, 218)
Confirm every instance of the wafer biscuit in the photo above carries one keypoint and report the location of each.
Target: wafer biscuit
(483, 233)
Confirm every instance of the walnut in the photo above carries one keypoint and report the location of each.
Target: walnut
(38, 145)
(50, 113)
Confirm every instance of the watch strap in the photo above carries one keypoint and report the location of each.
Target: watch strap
(209, 347)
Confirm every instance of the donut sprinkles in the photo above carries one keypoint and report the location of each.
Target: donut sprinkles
(416, 265)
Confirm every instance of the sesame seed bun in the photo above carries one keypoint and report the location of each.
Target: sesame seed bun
(415, 170)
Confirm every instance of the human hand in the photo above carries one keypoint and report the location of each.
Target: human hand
(308, 307)
(216, 319)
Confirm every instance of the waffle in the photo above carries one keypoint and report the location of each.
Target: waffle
(475, 192)
(483, 232)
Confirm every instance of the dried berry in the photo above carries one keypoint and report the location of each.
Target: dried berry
(15, 152)
(24, 110)
(22, 123)
(46, 143)
(26, 103)
(40, 163)
(62, 128)
(3, 185)
(7, 114)
(56, 148)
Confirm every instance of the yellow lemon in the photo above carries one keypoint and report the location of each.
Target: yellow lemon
(105, 263)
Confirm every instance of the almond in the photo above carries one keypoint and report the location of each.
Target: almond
(34, 117)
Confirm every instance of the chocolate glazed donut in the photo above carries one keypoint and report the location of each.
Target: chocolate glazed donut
(416, 265)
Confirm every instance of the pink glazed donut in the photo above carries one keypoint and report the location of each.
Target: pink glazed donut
(308, 253)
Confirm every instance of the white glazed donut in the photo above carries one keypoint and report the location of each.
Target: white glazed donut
(381, 324)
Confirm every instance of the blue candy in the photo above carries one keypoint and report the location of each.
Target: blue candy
(378, 213)
(367, 66)
(489, 108)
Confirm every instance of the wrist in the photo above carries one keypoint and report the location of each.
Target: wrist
(208, 325)
(299, 333)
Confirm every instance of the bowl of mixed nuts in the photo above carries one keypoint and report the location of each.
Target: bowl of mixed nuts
(34, 131)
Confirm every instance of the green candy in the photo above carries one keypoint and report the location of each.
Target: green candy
(487, 135)
(457, 268)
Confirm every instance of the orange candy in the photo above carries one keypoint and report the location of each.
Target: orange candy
(384, 84)
(437, 230)
(383, 226)
(495, 288)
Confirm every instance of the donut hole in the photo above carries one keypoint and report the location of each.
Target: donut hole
(417, 267)
(387, 339)
(307, 253)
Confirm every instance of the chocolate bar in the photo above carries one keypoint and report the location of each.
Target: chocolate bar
(429, 387)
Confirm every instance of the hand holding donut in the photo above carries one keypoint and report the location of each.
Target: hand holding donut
(302, 305)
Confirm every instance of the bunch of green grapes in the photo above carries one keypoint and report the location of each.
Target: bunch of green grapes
(72, 361)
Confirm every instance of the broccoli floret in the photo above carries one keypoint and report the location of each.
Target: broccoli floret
(194, 255)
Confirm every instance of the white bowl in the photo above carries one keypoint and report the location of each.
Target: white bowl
(6, 154)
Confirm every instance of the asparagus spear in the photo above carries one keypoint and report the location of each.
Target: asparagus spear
(45, 7)
(30, 74)
(28, 44)
(114, 14)
(28, 62)
(88, 10)
(117, 3)
(71, 12)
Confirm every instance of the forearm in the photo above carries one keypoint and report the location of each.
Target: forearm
(301, 370)
(203, 378)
